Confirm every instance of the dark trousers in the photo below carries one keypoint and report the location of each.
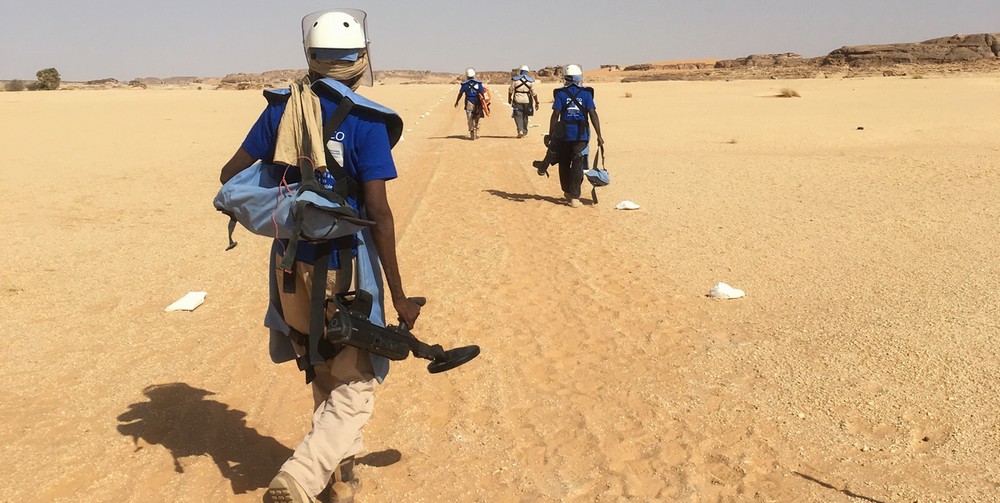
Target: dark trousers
(572, 162)
(521, 113)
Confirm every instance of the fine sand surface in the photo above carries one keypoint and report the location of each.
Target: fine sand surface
(861, 366)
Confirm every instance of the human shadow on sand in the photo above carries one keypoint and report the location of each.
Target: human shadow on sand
(520, 198)
(380, 458)
(181, 419)
(451, 137)
(465, 137)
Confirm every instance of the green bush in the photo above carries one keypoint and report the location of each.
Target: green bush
(48, 79)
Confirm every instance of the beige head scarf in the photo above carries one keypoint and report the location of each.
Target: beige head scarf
(347, 72)
(300, 132)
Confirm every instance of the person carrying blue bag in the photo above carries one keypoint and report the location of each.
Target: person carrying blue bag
(331, 148)
(573, 110)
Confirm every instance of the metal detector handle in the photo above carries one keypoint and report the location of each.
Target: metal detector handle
(420, 301)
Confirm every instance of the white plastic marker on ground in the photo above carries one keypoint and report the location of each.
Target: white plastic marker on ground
(724, 291)
(188, 302)
(626, 205)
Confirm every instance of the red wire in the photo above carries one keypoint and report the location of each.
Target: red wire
(282, 193)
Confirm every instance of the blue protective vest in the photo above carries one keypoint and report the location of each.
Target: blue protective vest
(471, 88)
(574, 114)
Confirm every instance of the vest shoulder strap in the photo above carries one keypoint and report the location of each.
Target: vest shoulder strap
(345, 186)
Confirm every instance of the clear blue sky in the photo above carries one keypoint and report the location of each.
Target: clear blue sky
(87, 40)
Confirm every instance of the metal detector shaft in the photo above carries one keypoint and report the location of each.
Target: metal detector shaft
(352, 327)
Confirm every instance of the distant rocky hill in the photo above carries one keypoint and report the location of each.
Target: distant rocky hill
(980, 52)
(957, 53)
(954, 54)
(954, 49)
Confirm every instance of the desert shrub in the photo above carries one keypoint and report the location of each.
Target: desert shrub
(628, 95)
(788, 93)
(15, 85)
(48, 79)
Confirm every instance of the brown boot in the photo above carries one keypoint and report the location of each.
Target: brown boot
(345, 483)
(284, 489)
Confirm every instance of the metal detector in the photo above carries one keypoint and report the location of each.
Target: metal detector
(350, 326)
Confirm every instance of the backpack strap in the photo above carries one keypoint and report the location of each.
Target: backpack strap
(310, 183)
(345, 185)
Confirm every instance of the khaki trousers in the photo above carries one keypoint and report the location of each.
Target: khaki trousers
(472, 115)
(343, 394)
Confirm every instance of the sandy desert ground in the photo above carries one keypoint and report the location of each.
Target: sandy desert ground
(862, 220)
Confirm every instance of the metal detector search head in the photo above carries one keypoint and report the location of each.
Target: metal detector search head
(452, 358)
(441, 360)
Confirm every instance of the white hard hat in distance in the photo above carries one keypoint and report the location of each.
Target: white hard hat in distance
(470, 72)
(524, 68)
(573, 71)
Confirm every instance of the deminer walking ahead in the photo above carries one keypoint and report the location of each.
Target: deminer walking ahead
(320, 133)
(473, 90)
(573, 110)
(522, 99)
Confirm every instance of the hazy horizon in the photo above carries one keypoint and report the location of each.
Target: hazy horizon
(125, 40)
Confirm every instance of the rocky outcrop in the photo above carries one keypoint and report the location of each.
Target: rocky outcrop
(552, 72)
(765, 60)
(954, 49)
(646, 67)
(109, 82)
(267, 80)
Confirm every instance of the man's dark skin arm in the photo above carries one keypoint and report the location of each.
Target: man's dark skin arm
(597, 125)
(459, 97)
(241, 160)
(384, 234)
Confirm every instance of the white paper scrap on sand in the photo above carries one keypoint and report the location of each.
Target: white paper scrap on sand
(724, 291)
(626, 205)
(188, 302)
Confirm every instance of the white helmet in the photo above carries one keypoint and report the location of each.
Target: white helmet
(573, 73)
(524, 68)
(470, 72)
(337, 34)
